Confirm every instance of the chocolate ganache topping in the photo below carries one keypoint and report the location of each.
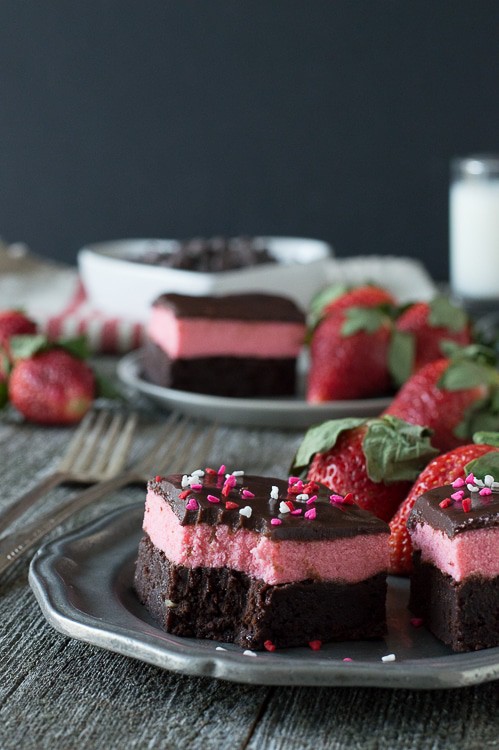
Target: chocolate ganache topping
(274, 507)
(452, 518)
(233, 307)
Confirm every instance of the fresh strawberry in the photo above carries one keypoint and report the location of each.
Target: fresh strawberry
(14, 323)
(52, 387)
(427, 325)
(376, 460)
(453, 397)
(349, 355)
(338, 298)
(442, 470)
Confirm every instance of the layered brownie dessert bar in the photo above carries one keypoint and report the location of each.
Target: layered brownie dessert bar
(234, 345)
(260, 562)
(455, 582)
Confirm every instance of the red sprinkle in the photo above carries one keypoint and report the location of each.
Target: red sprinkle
(445, 502)
(158, 478)
(290, 505)
(467, 504)
(212, 499)
(269, 646)
(310, 488)
(182, 495)
(212, 472)
(226, 489)
(348, 499)
(416, 622)
(315, 645)
(230, 505)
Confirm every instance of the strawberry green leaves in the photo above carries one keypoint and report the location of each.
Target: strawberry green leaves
(396, 450)
(443, 314)
(393, 449)
(487, 464)
(401, 356)
(369, 319)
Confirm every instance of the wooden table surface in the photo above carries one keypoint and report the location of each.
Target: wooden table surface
(56, 692)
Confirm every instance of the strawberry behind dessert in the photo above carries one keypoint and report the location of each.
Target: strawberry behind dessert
(349, 349)
(49, 385)
(425, 326)
(455, 397)
(374, 462)
(442, 470)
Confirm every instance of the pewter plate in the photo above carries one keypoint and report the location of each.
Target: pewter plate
(83, 583)
(283, 413)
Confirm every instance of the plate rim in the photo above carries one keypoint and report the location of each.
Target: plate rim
(173, 653)
(128, 372)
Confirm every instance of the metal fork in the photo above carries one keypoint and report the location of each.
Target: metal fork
(98, 451)
(166, 455)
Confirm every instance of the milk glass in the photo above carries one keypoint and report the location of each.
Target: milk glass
(474, 229)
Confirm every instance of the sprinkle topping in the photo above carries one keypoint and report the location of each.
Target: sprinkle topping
(246, 511)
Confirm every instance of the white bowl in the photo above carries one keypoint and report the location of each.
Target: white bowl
(117, 285)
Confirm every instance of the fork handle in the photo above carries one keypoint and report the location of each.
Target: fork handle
(26, 501)
(14, 545)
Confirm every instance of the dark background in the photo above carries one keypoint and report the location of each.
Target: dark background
(332, 119)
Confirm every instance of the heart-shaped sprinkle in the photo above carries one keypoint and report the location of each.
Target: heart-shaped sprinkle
(311, 514)
(283, 508)
(459, 482)
(246, 511)
(192, 504)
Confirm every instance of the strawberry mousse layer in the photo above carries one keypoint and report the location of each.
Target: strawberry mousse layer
(474, 553)
(188, 338)
(347, 559)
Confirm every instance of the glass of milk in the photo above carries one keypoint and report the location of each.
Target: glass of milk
(474, 229)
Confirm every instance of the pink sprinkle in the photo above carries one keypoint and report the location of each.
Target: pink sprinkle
(457, 495)
(297, 512)
(196, 487)
(311, 514)
(311, 499)
(192, 504)
(459, 482)
(222, 469)
(485, 491)
(292, 480)
(231, 480)
(247, 493)
(416, 622)
(212, 499)
(336, 498)
(347, 658)
(275, 521)
(470, 479)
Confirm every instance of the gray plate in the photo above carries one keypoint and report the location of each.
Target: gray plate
(289, 413)
(83, 583)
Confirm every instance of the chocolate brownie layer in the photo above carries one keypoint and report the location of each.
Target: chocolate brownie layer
(464, 615)
(225, 605)
(220, 376)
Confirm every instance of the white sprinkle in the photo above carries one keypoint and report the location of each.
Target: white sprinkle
(494, 486)
(489, 480)
(246, 511)
(283, 508)
(472, 488)
(238, 473)
(388, 657)
(169, 603)
(220, 648)
(197, 473)
(303, 497)
(185, 480)
(274, 492)
(248, 653)
(479, 483)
